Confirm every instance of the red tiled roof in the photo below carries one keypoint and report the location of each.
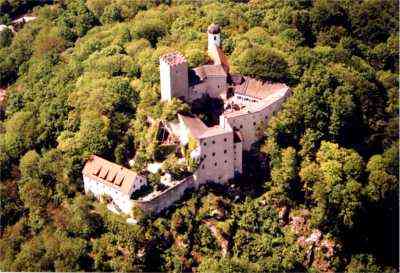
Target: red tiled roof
(219, 58)
(199, 130)
(258, 89)
(205, 71)
(109, 173)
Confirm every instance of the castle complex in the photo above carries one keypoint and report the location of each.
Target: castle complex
(248, 104)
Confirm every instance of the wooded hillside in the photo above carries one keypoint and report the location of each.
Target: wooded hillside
(82, 78)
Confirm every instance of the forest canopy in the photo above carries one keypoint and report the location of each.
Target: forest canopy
(83, 78)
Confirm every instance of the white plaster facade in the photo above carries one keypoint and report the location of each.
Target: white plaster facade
(104, 178)
(246, 114)
(173, 77)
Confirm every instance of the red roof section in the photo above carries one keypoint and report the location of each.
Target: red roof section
(109, 173)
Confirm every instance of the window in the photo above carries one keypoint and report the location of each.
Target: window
(226, 161)
(225, 151)
(254, 124)
(225, 139)
(241, 126)
(213, 154)
(213, 142)
(205, 156)
(215, 164)
(215, 38)
(205, 143)
(202, 166)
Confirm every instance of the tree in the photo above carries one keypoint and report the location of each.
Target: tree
(335, 186)
(383, 174)
(284, 178)
(151, 29)
(363, 263)
(231, 265)
(261, 62)
(6, 36)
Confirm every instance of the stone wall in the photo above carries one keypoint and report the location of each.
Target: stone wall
(166, 198)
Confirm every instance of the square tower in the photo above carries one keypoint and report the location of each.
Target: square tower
(174, 76)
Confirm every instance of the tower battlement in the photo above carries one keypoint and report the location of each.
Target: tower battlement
(174, 81)
(173, 58)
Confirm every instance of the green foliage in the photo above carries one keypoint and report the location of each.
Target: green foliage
(335, 185)
(84, 78)
(6, 36)
(363, 263)
(261, 62)
(234, 265)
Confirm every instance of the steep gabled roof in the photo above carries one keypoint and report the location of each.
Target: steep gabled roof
(199, 130)
(110, 174)
(207, 71)
(260, 90)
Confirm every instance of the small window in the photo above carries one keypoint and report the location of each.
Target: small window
(205, 143)
(213, 154)
(215, 164)
(205, 156)
(225, 139)
(241, 126)
(202, 166)
(226, 161)
(225, 151)
(234, 146)
(213, 142)
(215, 38)
(254, 124)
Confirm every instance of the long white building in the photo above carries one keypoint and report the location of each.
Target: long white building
(104, 178)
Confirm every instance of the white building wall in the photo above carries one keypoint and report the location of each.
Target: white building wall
(217, 163)
(250, 123)
(121, 199)
(237, 157)
(214, 40)
(165, 81)
(215, 87)
(174, 81)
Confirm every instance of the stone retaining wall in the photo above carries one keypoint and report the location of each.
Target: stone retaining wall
(167, 197)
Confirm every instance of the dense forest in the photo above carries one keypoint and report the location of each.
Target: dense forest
(83, 77)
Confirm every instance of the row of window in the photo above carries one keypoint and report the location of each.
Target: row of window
(213, 154)
(213, 142)
(215, 164)
(246, 98)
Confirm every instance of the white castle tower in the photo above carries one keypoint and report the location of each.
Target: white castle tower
(214, 38)
(174, 76)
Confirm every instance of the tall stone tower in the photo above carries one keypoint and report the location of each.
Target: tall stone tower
(214, 38)
(174, 76)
